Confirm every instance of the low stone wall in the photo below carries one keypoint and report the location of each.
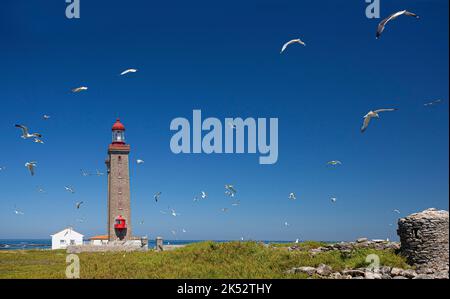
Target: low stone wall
(115, 246)
(424, 238)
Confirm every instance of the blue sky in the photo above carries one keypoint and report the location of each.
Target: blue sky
(223, 58)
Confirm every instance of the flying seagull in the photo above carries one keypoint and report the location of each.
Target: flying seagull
(393, 16)
(203, 195)
(184, 231)
(128, 71)
(2, 168)
(17, 212)
(141, 222)
(230, 191)
(78, 89)
(333, 199)
(46, 117)
(296, 241)
(69, 189)
(37, 140)
(224, 210)
(432, 103)
(40, 190)
(286, 224)
(195, 198)
(31, 166)
(174, 213)
(26, 134)
(157, 196)
(294, 41)
(397, 211)
(334, 162)
(371, 114)
(292, 196)
(139, 161)
(78, 204)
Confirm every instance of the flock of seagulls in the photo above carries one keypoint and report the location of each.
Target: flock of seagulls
(230, 191)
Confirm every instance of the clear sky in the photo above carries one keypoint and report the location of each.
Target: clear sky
(223, 57)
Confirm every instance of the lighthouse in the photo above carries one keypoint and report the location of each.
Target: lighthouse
(117, 163)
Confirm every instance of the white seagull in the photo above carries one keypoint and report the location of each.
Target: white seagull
(294, 41)
(78, 204)
(230, 191)
(397, 211)
(26, 134)
(78, 89)
(286, 224)
(203, 195)
(128, 71)
(69, 189)
(292, 196)
(334, 162)
(31, 166)
(46, 117)
(17, 212)
(333, 199)
(371, 114)
(2, 168)
(174, 213)
(139, 161)
(432, 103)
(393, 16)
(37, 140)
(40, 190)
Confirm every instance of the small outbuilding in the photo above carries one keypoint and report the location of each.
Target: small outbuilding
(66, 237)
(99, 240)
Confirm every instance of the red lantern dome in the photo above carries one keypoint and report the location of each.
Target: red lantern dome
(118, 126)
(120, 223)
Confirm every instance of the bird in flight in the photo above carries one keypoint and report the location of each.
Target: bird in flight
(296, 241)
(18, 212)
(372, 114)
(46, 116)
(78, 204)
(334, 163)
(40, 190)
(37, 140)
(396, 211)
(69, 189)
(224, 210)
(2, 168)
(79, 89)
(31, 166)
(294, 41)
(393, 16)
(432, 103)
(286, 224)
(139, 161)
(174, 213)
(333, 199)
(26, 134)
(157, 196)
(184, 231)
(292, 196)
(128, 71)
(141, 222)
(230, 191)
(203, 196)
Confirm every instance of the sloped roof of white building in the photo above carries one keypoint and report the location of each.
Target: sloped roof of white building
(67, 231)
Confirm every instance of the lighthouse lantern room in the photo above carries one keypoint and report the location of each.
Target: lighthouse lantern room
(118, 133)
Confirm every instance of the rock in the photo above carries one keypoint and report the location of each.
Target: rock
(385, 270)
(399, 277)
(396, 271)
(409, 273)
(324, 270)
(361, 240)
(386, 276)
(353, 272)
(337, 275)
(357, 277)
(307, 270)
(372, 275)
(423, 276)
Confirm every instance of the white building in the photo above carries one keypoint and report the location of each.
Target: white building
(68, 236)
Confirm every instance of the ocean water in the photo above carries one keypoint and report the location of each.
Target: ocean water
(27, 244)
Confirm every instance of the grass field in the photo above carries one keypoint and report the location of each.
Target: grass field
(200, 260)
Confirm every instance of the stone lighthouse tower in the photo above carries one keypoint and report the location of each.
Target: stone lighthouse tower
(119, 209)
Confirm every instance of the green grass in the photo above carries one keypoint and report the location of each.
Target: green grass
(200, 260)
